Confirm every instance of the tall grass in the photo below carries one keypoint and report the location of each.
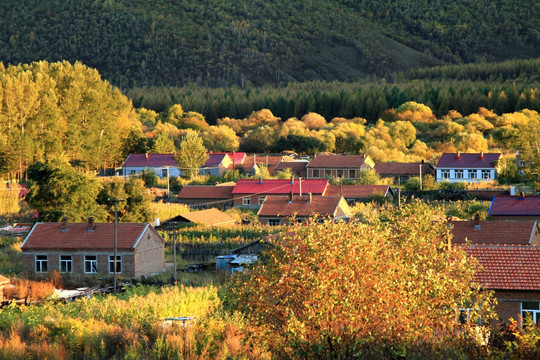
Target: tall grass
(127, 326)
(10, 256)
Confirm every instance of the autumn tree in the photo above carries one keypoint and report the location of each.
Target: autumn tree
(220, 138)
(342, 291)
(135, 206)
(191, 155)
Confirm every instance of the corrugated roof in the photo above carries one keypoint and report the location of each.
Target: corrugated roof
(507, 267)
(278, 186)
(337, 161)
(206, 192)
(300, 206)
(406, 169)
(49, 236)
(468, 160)
(493, 232)
(515, 205)
(150, 160)
(356, 191)
(208, 217)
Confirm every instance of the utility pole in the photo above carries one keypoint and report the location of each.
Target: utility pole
(115, 201)
(168, 187)
(420, 177)
(399, 191)
(174, 254)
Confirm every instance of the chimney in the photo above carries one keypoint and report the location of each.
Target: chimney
(477, 225)
(458, 155)
(146, 156)
(291, 197)
(423, 161)
(521, 195)
(260, 180)
(481, 155)
(292, 180)
(64, 223)
(91, 224)
(310, 198)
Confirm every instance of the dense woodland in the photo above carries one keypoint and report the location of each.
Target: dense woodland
(224, 43)
(66, 111)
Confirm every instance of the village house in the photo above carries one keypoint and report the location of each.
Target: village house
(346, 167)
(163, 165)
(88, 248)
(298, 167)
(254, 162)
(207, 196)
(404, 171)
(250, 193)
(520, 207)
(282, 210)
(508, 253)
(470, 167)
(360, 193)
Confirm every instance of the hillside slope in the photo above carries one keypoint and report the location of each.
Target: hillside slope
(231, 42)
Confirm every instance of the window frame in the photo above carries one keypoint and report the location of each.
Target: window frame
(459, 174)
(485, 172)
(315, 173)
(67, 263)
(274, 222)
(534, 312)
(86, 260)
(118, 263)
(261, 200)
(41, 265)
(445, 173)
(246, 200)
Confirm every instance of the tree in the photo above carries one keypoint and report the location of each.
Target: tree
(220, 138)
(341, 291)
(313, 121)
(191, 155)
(57, 190)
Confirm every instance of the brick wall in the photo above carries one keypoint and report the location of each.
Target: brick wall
(149, 257)
(509, 303)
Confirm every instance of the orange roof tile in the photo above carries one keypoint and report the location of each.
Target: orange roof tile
(206, 192)
(50, 236)
(300, 206)
(507, 267)
(493, 232)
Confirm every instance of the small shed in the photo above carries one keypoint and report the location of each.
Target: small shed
(208, 217)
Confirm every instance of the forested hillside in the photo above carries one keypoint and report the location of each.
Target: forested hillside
(222, 43)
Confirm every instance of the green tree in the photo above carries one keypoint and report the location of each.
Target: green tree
(368, 177)
(220, 138)
(191, 155)
(57, 190)
(343, 291)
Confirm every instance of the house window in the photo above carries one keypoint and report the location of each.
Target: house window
(164, 172)
(473, 174)
(118, 264)
(41, 263)
(352, 174)
(445, 174)
(132, 172)
(486, 174)
(261, 199)
(327, 173)
(469, 316)
(315, 173)
(246, 200)
(90, 264)
(340, 173)
(66, 263)
(458, 174)
(274, 222)
(207, 172)
(531, 310)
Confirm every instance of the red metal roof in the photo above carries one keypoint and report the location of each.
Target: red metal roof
(515, 205)
(300, 206)
(337, 161)
(206, 192)
(150, 160)
(493, 232)
(237, 157)
(507, 267)
(49, 236)
(357, 191)
(467, 160)
(278, 186)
